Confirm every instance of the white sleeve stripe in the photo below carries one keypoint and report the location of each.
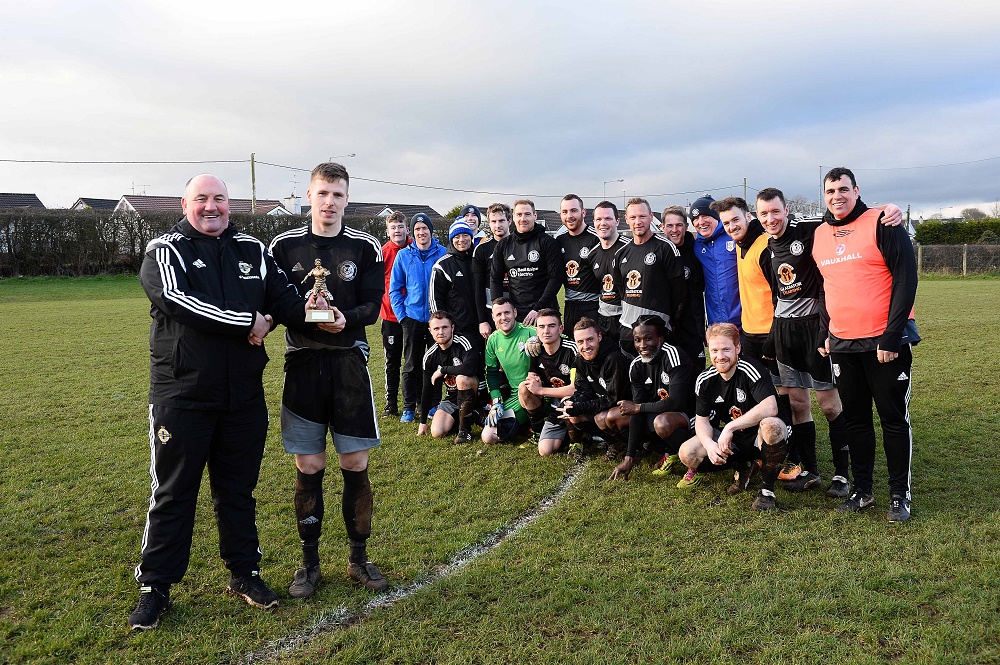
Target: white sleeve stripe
(672, 355)
(749, 370)
(463, 342)
(361, 235)
(704, 376)
(427, 355)
(172, 293)
(431, 300)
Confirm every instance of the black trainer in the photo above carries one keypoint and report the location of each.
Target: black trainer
(899, 508)
(463, 437)
(390, 410)
(367, 575)
(153, 602)
(840, 488)
(253, 590)
(803, 482)
(304, 582)
(857, 502)
(764, 501)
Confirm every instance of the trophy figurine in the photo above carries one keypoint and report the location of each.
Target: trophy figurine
(319, 288)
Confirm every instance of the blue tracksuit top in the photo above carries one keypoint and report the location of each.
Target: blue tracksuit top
(411, 276)
(722, 288)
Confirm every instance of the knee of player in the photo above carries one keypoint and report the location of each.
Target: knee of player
(667, 423)
(798, 398)
(463, 382)
(601, 419)
(772, 430)
(489, 435)
(691, 453)
(310, 464)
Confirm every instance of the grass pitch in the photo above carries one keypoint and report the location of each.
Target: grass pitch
(624, 572)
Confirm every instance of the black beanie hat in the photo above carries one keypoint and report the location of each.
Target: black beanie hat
(702, 207)
(421, 217)
(471, 208)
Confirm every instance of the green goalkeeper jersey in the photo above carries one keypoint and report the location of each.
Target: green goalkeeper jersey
(505, 354)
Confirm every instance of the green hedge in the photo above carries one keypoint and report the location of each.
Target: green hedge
(75, 243)
(955, 233)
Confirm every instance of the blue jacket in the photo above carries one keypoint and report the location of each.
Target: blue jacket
(411, 276)
(722, 288)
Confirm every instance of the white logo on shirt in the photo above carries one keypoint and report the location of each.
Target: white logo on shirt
(198, 263)
(796, 248)
(649, 259)
(533, 256)
(740, 396)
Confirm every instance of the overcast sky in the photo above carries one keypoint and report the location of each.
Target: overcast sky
(521, 98)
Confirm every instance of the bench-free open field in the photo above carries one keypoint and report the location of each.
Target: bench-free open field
(627, 572)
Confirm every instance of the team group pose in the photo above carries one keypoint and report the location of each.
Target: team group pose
(473, 335)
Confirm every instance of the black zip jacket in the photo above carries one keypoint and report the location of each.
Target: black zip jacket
(533, 265)
(453, 289)
(204, 293)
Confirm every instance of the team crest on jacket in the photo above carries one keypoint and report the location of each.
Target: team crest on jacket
(632, 279)
(347, 271)
(585, 252)
(740, 396)
(533, 256)
(245, 267)
(730, 245)
(163, 435)
(564, 368)
(572, 269)
(796, 248)
(608, 283)
(649, 259)
(664, 377)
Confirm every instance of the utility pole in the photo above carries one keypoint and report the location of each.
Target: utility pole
(253, 185)
(744, 189)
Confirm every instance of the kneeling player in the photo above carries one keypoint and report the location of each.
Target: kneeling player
(736, 423)
(662, 378)
(601, 382)
(454, 362)
(548, 381)
(507, 365)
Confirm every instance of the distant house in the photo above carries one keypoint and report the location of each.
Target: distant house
(139, 203)
(20, 201)
(383, 210)
(94, 204)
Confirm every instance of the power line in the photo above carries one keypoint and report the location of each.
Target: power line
(68, 161)
(930, 166)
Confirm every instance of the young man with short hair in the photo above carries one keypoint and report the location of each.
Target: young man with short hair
(601, 382)
(662, 404)
(737, 423)
(408, 287)
(454, 362)
(531, 260)
(452, 287)
(549, 381)
(869, 338)
(498, 217)
(392, 332)
(575, 240)
(649, 275)
(689, 333)
(507, 366)
(602, 260)
(327, 385)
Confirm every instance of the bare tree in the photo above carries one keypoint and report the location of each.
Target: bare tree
(972, 213)
(995, 210)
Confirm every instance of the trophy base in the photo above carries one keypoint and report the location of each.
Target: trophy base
(319, 316)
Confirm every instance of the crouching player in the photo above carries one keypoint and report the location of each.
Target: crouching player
(601, 382)
(507, 365)
(662, 378)
(453, 362)
(548, 381)
(736, 423)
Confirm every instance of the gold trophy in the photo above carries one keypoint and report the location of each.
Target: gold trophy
(319, 274)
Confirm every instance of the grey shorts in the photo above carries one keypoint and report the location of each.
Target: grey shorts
(791, 378)
(551, 430)
(447, 407)
(304, 437)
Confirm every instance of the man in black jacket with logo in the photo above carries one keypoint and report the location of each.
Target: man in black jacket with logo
(215, 294)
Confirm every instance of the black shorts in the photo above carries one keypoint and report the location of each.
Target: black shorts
(328, 389)
(753, 347)
(796, 347)
(576, 310)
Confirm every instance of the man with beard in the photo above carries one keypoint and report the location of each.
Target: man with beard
(548, 382)
(575, 240)
(498, 216)
(689, 333)
(451, 361)
(869, 338)
(662, 405)
(532, 263)
(602, 260)
(649, 275)
(736, 421)
(601, 382)
(392, 331)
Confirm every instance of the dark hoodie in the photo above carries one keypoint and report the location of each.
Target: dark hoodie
(602, 382)
(533, 264)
